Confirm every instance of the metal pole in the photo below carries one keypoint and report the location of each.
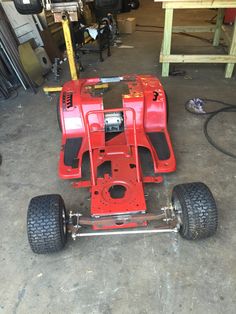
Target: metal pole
(87, 127)
(13, 66)
(104, 233)
(136, 146)
(69, 48)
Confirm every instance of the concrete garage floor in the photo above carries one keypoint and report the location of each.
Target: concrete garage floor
(141, 274)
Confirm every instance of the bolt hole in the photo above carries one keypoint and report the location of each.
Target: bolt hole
(96, 192)
(117, 191)
(45, 61)
(132, 166)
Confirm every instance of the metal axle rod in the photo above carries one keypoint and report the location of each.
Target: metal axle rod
(109, 221)
(104, 233)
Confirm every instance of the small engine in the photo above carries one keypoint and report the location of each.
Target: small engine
(114, 122)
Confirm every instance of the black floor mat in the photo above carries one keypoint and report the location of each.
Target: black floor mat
(158, 140)
(112, 98)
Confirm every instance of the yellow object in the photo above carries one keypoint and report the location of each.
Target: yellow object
(69, 48)
(52, 89)
(100, 86)
(70, 55)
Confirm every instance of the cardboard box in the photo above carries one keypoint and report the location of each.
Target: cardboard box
(127, 25)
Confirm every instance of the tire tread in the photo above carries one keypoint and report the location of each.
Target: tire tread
(199, 211)
(44, 224)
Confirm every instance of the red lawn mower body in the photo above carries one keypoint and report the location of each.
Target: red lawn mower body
(113, 136)
(112, 127)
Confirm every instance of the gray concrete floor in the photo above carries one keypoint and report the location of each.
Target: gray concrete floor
(141, 274)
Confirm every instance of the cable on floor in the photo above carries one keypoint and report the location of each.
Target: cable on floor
(197, 106)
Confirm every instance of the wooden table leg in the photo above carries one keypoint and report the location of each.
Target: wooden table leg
(219, 22)
(232, 51)
(167, 40)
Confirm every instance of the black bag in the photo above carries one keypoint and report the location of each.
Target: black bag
(28, 6)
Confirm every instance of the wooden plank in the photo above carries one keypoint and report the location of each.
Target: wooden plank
(167, 39)
(219, 22)
(193, 29)
(198, 4)
(232, 52)
(198, 58)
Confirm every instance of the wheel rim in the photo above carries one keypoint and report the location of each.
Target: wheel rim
(64, 220)
(178, 210)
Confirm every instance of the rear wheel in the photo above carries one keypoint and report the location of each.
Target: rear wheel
(46, 224)
(196, 209)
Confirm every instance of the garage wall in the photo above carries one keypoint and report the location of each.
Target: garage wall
(23, 25)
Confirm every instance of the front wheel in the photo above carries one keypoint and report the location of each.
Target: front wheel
(46, 224)
(196, 210)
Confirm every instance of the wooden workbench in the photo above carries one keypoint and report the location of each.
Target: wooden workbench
(166, 57)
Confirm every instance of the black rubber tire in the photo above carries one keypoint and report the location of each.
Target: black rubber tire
(134, 4)
(59, 117)
(46, 224)
(199, 216)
